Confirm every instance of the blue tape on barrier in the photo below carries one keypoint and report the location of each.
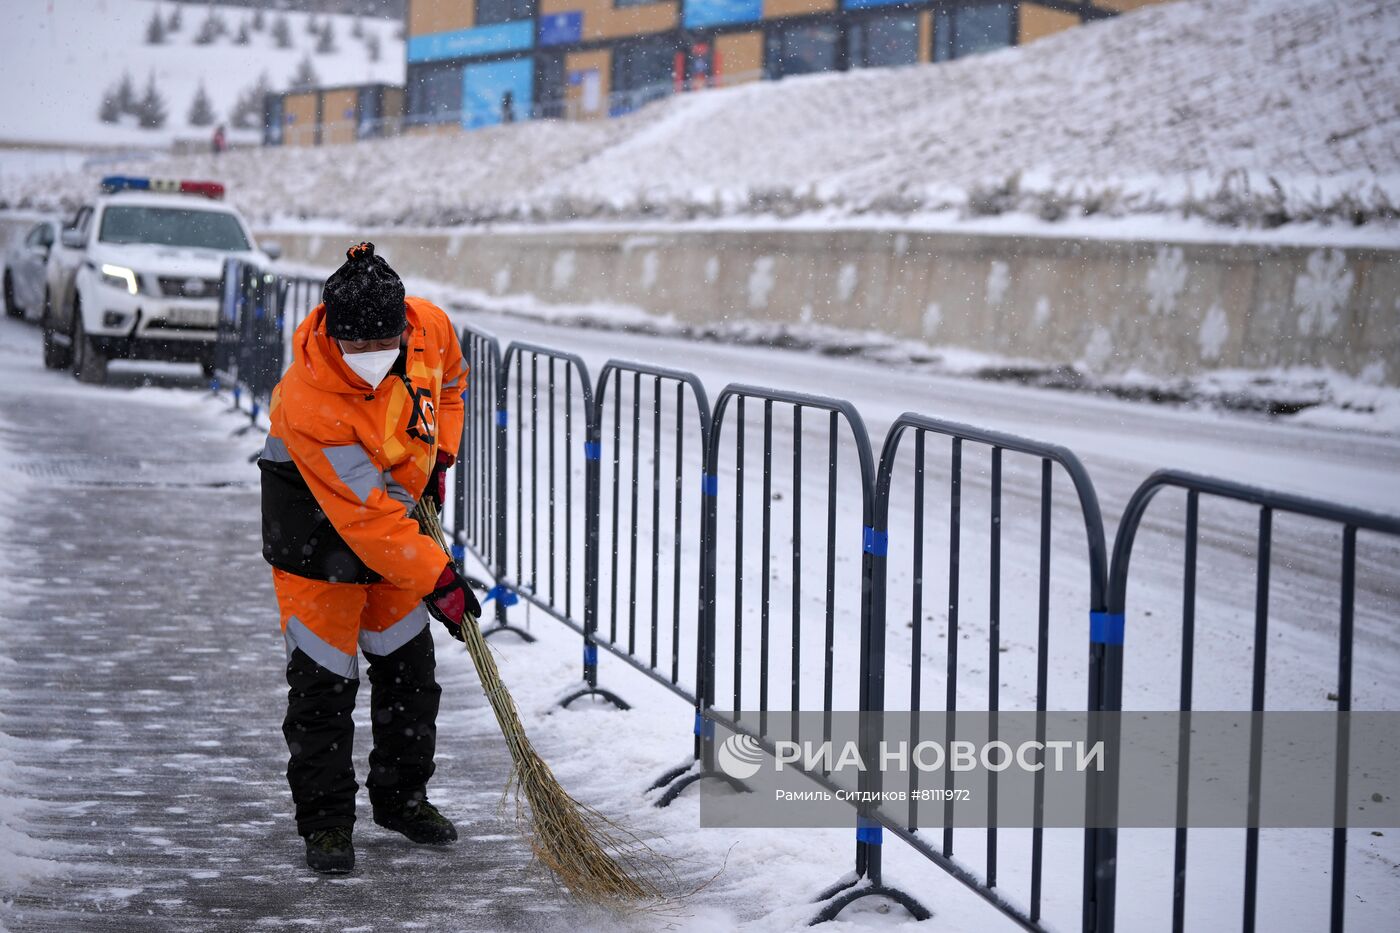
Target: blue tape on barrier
(592, 450)
(876, 542)
(502, 419)
(504, 593)
(709, 484)
(704, 727)
(1106, 628)
(590, 655)
(459, 553)
(869, 832)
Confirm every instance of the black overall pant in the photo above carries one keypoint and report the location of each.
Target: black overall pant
(320, 733)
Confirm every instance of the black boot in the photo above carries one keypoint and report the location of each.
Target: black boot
(420, 821)
(330, 851)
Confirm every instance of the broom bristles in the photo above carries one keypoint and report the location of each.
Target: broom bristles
(591, 855)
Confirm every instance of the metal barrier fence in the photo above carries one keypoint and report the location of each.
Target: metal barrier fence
(520, 477)
(878, 543)
(258, 314)
(1269, 503)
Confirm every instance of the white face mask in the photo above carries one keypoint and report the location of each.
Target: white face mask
(372, 366)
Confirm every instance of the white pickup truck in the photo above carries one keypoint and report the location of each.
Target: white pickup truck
(135, 275)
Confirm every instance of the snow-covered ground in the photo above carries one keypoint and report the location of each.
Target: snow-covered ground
(768, 877)
(1243, 112)
(60, 57)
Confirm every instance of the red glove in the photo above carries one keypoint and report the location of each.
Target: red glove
(437, 480)
(452, 600)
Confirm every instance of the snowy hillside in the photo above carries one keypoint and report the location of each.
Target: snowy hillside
(1244, 112)
(61, 56)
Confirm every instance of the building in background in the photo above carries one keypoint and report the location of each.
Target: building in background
(325, 116)
(474, 63)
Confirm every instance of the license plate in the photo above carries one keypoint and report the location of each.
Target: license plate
(193, 317)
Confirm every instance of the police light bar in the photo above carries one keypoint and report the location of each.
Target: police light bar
(209, 189)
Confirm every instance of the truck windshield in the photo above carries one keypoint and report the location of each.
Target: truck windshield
(172, 226)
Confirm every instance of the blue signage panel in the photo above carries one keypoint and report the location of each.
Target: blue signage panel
(561, 28)
(870, 4)
(702, 13)
(498, 92)
(483, 40)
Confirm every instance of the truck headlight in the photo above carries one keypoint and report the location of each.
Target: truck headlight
(120, 277)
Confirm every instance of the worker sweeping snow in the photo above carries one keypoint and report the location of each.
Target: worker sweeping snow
(365, 423)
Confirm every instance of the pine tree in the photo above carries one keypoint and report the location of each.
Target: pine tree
(211, 29)
(259, 20)
(247, 112)
(177, 19)
(243, 37)
(155, 29)
(110, 111)
(326, 44)
(358, 28)
(126, 95)
(305, 78)
(151, 110)
(313, 24)
(201, 110)
(282, 32)
(372, 46)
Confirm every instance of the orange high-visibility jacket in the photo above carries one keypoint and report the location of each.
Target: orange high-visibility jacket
(366, 455)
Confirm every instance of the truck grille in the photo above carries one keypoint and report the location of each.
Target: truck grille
(184, 286)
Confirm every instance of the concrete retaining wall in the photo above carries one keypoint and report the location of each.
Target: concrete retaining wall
(1167, 309)
(1111, 306)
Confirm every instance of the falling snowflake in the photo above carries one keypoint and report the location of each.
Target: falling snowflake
(1215, 330)
(1099, 348)
(1321, 292)
(901, 244)
(846, 281)
(998, 280)
(712, 270)
(806, 314)
(650, 263)
(1042, 311)
(933, 319)
(502, 280)
(563, 270)
(1166, 280)
(761, 282)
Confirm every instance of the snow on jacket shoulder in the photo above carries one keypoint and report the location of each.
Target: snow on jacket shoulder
(345, 463)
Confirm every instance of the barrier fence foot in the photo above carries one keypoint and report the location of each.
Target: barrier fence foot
(671, 775)
(859, 888)
(679, 786)
(607, 695)
(497, 629)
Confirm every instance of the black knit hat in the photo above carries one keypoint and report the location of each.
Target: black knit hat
(364, 298)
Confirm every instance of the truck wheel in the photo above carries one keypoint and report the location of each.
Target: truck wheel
(11, 309)
(55, 355)
(89, 365)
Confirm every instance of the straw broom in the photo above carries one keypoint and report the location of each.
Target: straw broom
(594, 858)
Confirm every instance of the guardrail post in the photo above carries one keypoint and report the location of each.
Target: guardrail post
(874, 567)
(592, 497)
(503, 595)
